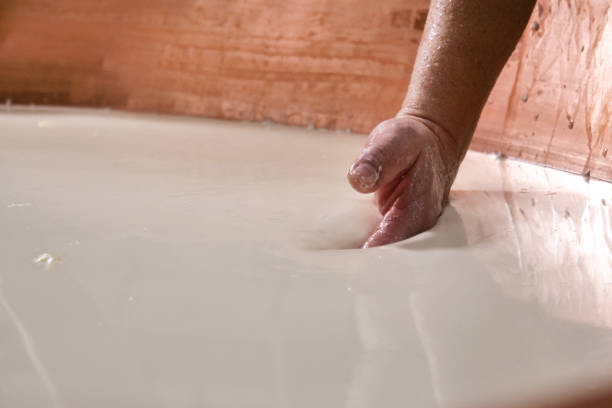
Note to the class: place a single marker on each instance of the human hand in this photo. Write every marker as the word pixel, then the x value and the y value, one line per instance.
pixel 410 163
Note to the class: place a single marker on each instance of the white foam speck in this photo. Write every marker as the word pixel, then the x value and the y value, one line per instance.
pixel 46 259
pixel 17 205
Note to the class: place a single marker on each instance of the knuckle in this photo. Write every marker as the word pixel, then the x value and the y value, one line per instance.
pixel 376 154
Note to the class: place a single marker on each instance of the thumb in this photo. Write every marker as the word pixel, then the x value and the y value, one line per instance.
pixel 390 150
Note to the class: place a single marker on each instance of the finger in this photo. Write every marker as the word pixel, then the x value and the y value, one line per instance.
pixel 388 193
pixel 399 224
pixel 412 207
pixel 391 149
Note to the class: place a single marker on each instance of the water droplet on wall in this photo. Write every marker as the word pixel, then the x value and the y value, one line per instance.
pixel 587 175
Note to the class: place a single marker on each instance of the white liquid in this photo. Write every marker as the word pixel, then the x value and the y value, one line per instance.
pixel 205 263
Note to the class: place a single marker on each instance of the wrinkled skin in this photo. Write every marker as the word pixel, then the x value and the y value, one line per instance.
pixel 410 164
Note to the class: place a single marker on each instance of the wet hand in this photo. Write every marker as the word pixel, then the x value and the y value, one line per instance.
pixel 410 163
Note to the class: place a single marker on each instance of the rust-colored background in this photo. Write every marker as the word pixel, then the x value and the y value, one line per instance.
pixel 336 64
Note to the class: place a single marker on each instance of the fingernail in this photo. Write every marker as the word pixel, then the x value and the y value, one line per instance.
pixel 364 174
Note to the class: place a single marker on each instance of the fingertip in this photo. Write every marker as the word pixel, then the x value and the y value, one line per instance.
pixel 377 239
pixel 367 245
pixel 394 227
pixel 363 176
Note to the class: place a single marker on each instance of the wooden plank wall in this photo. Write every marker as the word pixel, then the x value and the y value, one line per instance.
pixel 339 64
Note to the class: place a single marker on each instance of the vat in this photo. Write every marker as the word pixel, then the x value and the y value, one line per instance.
pixel 153 261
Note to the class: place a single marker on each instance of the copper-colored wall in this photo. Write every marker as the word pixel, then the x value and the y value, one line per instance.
pixel 553 102
pixel 327 63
